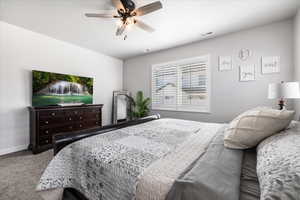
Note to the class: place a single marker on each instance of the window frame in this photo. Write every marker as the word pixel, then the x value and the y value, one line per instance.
pixel 177 64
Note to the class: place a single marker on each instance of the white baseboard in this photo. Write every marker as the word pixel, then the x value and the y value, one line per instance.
pixel 13 149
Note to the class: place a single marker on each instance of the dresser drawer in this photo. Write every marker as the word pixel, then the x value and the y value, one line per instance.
pixel 91 115
pixel 64 119
pixel 74 112
pixel 81 115
pixel 70 119
pixel 51 113
pixel 86 124
pixel 91 110
pixel 45 140
pixel 46 131
pixel 92 123
pixel 49 131
pixel 50 121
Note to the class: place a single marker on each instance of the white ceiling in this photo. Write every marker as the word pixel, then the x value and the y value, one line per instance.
pixel 179 22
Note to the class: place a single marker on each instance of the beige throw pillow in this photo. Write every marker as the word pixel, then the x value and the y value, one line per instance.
pixel 252 126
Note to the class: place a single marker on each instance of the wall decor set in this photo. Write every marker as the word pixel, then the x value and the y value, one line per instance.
pixel 269 65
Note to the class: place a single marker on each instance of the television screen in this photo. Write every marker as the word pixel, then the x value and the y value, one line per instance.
pixel 52 89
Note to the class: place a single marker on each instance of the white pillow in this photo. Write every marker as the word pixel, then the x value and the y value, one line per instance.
pixel 252 126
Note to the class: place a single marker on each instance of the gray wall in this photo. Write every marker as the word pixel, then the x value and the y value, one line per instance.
pixel 297 56
pixel 229 96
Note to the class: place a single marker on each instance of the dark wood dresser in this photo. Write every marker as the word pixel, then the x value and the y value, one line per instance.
pixel 48 121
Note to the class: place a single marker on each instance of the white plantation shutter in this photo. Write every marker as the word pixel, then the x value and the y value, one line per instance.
pixel 182 85
pixel 164 85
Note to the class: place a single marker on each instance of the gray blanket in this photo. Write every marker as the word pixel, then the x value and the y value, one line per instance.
pixel 214 176
pixel 113 165
pixel 107 166
pixel 249 187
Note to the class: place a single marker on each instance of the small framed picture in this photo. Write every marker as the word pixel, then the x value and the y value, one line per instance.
pixel 270 65
pixel 225 63
pixel 247 73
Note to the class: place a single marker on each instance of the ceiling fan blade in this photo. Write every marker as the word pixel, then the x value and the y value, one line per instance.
pixel 144 26
pixel 118 4
pixel 148 8
pixel 100 15
pixel 121 29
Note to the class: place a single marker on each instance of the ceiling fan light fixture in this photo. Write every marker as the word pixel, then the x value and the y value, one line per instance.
pixel 126 13
pixel 119 22
pixel 130 21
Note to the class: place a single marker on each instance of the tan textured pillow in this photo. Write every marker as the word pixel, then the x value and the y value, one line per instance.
pixel 252 126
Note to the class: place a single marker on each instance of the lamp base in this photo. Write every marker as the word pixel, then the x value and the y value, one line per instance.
pixel 281 104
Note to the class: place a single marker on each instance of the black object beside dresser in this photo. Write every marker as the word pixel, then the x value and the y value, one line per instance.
pixel 48 121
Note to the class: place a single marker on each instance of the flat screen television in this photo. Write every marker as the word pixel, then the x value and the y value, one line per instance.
pixel 53 89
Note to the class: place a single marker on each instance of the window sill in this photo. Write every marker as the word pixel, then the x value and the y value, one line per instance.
pixel 182 110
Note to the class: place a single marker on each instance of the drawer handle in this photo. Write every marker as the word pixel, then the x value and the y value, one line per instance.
pixel 70 119
pixel 53 114
pixel 46 141
pixel 46 131
pixel 80 125
pixel 46 122
pixel 80 117
pixel 70 127
pixel 96 122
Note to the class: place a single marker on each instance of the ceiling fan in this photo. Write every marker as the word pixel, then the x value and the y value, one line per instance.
pixel 127 13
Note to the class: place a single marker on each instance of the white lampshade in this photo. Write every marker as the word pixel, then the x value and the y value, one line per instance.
pixel 287 90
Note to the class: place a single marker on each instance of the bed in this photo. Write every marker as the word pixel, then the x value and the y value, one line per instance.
pixel 150 158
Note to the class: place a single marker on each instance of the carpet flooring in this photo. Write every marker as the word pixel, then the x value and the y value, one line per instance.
pixel 20 173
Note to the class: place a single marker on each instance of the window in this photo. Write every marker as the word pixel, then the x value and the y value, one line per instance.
pixel 182 85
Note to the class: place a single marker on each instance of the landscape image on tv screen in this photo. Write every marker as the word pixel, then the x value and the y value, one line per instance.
pixel 52 89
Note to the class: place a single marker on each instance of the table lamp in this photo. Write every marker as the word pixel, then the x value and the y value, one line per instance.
pixel 282 91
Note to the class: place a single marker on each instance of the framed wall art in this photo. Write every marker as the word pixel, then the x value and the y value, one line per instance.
pixel 225 63
pixel 247 73
pixel 270 65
